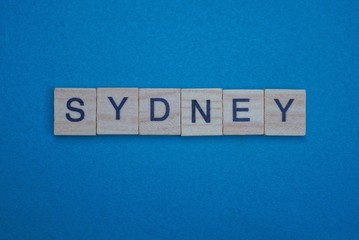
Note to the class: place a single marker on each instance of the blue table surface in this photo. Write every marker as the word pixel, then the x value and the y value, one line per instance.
pixel 158 187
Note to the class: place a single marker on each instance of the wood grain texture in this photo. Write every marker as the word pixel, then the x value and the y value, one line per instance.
pixel 295 122
pixel 63 126
pixel 106 112
pixel 169 126
pixel 255 113
pixel 201 127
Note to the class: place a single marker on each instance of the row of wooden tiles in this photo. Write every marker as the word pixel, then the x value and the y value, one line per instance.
pixel 173 111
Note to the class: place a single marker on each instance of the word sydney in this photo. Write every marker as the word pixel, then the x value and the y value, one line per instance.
pixel 185 112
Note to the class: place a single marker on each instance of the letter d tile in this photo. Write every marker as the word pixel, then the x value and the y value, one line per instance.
pixel 160 112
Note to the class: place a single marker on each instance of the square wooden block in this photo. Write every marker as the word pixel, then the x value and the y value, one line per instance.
pixel 201 112
pixel 75 111
pixel 117 111
pixel 160 112
pixel 285 112
pixel 243 112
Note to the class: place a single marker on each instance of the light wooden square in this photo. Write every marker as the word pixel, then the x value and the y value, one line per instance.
pixel 249 119
pixel 106 112
pixel 168 126
pixel 69 122
pixel 200 127
pixel 295 122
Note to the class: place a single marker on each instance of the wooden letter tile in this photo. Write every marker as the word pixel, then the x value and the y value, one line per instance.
pixel 75 111
pixel 285 112
pixel 117 111
pixel 243 112
pixel 201 112
pixel 160 112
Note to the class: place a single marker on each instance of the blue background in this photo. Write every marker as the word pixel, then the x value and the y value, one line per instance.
pixel 142 187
